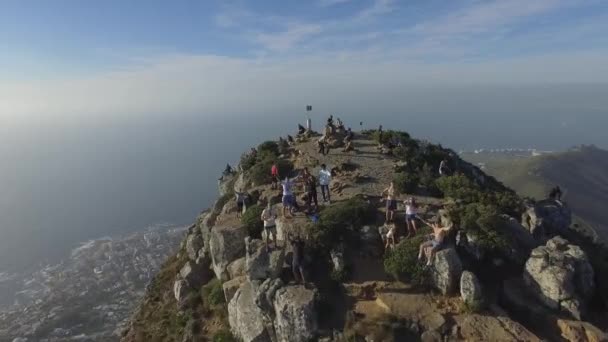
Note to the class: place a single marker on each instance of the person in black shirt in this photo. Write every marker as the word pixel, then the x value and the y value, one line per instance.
pixel 297 262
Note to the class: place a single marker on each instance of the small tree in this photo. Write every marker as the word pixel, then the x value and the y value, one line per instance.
pixel 251 220
pixel 406 182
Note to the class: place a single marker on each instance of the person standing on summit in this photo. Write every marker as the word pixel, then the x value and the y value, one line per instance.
pixel 324 180
pixel 391 202
pixel 274 174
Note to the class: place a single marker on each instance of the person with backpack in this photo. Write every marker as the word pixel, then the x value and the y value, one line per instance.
pixel 324 181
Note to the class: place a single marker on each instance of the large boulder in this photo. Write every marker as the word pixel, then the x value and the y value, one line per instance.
pixel 295 315
pixel 181 290
pixel 561 276
pixel 194 244
pixel 520 240
pixel 445 271
pixel 468 243
pixel 262 263
pixel 245 317
pixel 225 183
pixel 195 274
pixel 231 286
pixel 546 219
pixel 236 268
pixel 371 242
pixel 283 227
pixel 576 331
pixel 204 223
pixel 470 290
pixel 226 244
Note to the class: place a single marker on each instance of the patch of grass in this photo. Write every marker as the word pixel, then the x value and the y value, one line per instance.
pixel 213 293
pixel 260 172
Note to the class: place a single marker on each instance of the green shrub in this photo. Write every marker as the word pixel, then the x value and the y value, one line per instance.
pixel 224 335
pixel 268 148
pixel 390 135
pixel 402 262
pixel 251 220
pixel 406 182
pixel 213 293
pixel 459 187
pixel 248 160
pixel 260 172
pixel 336 221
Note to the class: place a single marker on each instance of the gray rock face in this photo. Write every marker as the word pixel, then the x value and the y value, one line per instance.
pixel 470 290
pixel 546 219
pixel 226 244
pixel 371 242
pixel 194 243
pixel 295 316
pixel 469 243
pixel 337 259
pixel 181 290
pixel 261 264
pixel 231 286
pixel 445 271
pixel 521 241
pixel 245 316
pixel 561 276
pixel 224 184
pixel 236 268
pixel 204 223
pixel 194 274
pixel 282 226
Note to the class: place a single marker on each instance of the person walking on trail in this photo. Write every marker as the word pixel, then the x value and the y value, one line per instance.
pixel 411 214
pixel 274 174
pixel 391 202
pixel 444 169
pixel 269 217
pixel 311 193
pixel 297 262
pixel 241 198
pixel 430 248
pixel 324 180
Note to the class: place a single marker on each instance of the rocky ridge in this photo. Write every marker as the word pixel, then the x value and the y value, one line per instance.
pixel 349 294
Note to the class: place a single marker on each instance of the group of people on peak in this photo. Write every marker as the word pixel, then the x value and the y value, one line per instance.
pixel 329 132
pixel 435 239
pixel 309 184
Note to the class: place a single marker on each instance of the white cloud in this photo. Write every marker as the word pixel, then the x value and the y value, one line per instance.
pixel 284 40
pixel 379 7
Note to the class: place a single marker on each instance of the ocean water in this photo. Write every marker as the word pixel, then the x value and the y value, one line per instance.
pixel 67 182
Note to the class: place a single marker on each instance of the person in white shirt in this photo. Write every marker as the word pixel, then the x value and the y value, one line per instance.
pixel 324 180
pixel 411 214
pixel 269 217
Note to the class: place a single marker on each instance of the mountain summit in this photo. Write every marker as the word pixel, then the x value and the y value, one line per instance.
pixel 498 268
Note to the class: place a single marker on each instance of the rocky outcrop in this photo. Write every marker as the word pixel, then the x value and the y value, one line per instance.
pixel 445 271
pixel 194 245
pixel 546 219
pixel 283 227
pixel 181 290
pixel 262 263
pixel 470 290
pixel 196 274
pixel 225 184
pixel 244 316
pixel 576 331
pixel 520 240
pixel 371 242
pixel 561 276
pixel 226 244
pixel 295 315
pixel 476 327
pixel 236 268
pixel 231 286
pixel 468 243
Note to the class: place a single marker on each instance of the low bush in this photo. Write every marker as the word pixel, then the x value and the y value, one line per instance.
pixel 247 161
pixel 213 293
pixel 268 148
pixel 224 335
pixel 406 182
pixel 339 219
pixel 402 262
pixel 260 172
pixel 251 220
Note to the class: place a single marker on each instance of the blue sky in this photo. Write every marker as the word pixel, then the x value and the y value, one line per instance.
pixel 53 51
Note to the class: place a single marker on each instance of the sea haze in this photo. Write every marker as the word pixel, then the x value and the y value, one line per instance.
pixel 66 182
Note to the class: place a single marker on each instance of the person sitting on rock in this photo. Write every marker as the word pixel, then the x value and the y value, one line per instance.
pixel 301 129
pixel 556 194
pixel 349 146
pixel 324 180
pixel 228 170
pixel 269 217
pixel 241 198
pixel 411 214
pixel 330 120
pixel 391 202
pixel 274 175
pixel 340 124
pixel 430 248
pixel 297 261
pixel 444 169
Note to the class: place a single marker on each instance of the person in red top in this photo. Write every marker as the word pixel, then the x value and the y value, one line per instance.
pixel 274 174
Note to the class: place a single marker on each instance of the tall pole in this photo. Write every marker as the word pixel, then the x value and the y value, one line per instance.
pixel 308 122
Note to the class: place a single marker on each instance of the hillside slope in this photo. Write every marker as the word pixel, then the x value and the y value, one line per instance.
pixel 582 173
pixel 225 285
